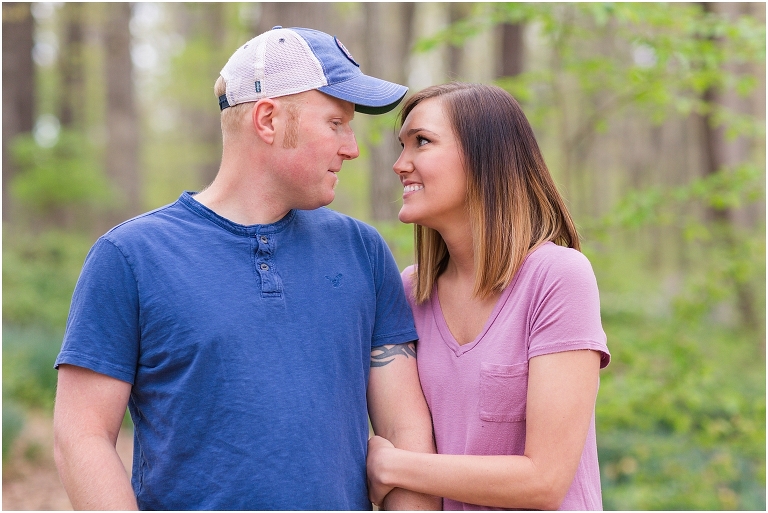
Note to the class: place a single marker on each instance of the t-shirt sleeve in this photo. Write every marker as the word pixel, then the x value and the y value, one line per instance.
pixel 102 331
pixel 394 319
pixel 566 309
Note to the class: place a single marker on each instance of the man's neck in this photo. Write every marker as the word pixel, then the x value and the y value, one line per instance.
pixel 241 203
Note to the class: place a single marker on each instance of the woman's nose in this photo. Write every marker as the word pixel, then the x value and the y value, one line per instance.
pixel 402 164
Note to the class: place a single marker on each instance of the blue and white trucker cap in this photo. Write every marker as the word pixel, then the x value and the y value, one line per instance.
pixel 283 61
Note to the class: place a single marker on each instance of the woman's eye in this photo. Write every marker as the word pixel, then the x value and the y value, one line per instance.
pixel 421 141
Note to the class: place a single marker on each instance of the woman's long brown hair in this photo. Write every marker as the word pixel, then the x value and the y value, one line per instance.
pixel 513 203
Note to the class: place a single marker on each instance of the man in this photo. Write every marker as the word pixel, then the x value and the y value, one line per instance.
pixel 248 330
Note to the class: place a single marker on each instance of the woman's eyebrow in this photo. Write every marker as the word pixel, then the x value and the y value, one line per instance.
pixel 415 130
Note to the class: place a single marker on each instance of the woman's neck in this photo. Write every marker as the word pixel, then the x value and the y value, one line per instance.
pixel 461 250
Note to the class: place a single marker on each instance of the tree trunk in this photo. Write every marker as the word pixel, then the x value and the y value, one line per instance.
pixel 18 86
pixel 210 131
pixel 510 62
pixel 754 214
pixel 206 22
pixel 719 151
pixel 122 155
pixel 315 15
pixel 456 12
pixel 389 31
pixel 72 90
pixel 722 153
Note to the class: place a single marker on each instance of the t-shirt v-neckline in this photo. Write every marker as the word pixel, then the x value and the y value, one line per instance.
pixel 445 332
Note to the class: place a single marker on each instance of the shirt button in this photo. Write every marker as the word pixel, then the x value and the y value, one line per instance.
pixel 264 267
pixel 264 239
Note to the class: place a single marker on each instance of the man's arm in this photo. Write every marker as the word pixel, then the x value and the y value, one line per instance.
pixel 399 413
pixel 86 420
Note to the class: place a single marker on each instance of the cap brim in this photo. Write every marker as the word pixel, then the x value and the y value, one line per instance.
pixel 369 94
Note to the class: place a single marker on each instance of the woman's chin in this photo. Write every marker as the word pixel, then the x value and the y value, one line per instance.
pixel 405 217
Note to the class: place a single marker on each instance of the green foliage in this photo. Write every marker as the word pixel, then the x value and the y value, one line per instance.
pixel 733 259
pixel 39 275
pixel 681 410
pixel 734 278
pixel 604 59
pixel 29 378
pixel 689 46
pixel 351 196
pixel 400 240
pixel 681 416
pixel 377 126
pixel 13 422
pixel 681 206
pixel 65 174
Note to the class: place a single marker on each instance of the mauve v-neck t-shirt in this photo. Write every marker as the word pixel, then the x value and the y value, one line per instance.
pixel 477 391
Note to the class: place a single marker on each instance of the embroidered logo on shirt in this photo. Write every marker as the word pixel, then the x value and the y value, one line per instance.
pixel 336 281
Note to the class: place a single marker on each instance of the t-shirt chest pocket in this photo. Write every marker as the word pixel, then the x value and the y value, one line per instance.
pixel 503 392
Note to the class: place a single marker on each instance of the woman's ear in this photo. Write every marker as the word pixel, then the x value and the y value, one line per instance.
pixel 262 119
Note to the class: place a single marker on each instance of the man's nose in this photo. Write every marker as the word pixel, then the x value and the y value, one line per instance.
pixel 350 150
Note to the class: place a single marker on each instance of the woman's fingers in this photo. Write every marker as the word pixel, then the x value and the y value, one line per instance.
pixel 377 448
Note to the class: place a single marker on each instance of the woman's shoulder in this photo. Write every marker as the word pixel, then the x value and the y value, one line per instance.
pixel 552 260
pixel 550 253
pixel 409 278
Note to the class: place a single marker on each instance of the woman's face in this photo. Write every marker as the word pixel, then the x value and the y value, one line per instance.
pixel 430 169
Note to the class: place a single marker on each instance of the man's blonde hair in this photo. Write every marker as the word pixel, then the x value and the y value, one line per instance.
pixel 231 117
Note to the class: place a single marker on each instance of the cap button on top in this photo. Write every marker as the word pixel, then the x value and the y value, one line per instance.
pixel 277 27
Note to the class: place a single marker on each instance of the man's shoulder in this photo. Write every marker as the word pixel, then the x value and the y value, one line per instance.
pixel 146 224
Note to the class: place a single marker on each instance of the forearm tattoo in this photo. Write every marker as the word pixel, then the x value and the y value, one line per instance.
pixel 383 355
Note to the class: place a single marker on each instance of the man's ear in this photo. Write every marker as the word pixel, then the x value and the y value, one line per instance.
pixel 262 119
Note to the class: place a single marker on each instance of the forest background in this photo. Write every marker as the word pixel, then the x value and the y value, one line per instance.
pixel 651 118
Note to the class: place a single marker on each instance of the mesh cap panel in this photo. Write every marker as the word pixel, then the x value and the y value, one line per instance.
pixel 290 66
pixel 276 63
pixel 289 61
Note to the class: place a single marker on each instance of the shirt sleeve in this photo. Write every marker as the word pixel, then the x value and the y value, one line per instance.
pixel 103 331
pixel 394 319
pixel 566 308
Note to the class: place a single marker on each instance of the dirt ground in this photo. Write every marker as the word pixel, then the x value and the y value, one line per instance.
pixel 30 480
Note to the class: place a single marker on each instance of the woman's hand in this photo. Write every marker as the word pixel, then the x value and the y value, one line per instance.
pixel 378 450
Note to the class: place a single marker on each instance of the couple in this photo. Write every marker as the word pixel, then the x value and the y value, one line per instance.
pixel 252 333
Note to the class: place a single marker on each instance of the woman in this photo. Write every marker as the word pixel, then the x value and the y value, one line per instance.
pixel 507 311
